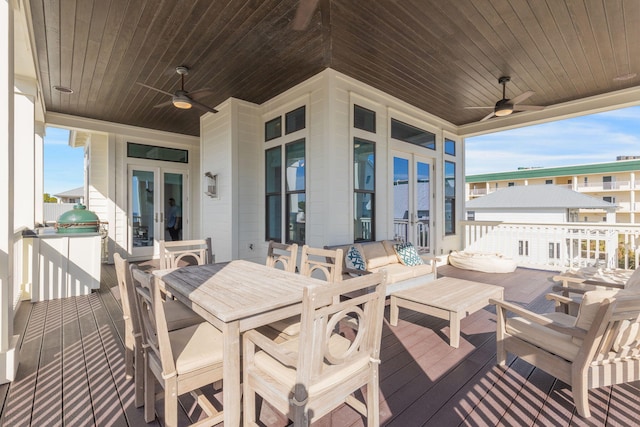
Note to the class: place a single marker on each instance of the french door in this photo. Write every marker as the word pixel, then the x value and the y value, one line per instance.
pixel 150 207
pixel 413 199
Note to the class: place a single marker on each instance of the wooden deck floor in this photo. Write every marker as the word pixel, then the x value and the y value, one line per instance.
pixel 71 370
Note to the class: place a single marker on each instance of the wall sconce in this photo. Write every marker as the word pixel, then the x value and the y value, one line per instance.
pixel 211 185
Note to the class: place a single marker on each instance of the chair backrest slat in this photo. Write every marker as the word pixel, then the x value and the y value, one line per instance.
pixel 319 261
pixel 283 256
pixel 325 313
pixel 172 252
pixel 155 333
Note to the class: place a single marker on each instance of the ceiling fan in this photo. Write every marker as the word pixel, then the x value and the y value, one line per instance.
pixel 506 106
pixel 181 98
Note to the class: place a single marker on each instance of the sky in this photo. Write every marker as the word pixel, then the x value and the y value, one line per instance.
pixel 63 165
pixel 595 138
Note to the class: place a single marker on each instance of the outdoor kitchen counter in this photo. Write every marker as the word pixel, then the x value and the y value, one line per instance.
pixel 62 265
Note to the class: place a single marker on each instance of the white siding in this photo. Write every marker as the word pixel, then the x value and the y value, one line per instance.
pixel 232 146
pixel 216 156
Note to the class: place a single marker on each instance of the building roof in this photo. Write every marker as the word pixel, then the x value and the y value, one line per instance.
pixel 76 192
pixel 538 196
pixel 586 169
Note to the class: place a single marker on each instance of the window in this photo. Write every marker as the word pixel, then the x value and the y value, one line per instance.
pixel 273 191
pixel 511 184
pixel 548 181
pixel 609 199
pixel 554 250
pixel 471 215
pixel 293 177
pixel 295 190
pixel 363 189
pixel 364 119
pixel 523 247
pixel 152 152
pixel 412 134
pixel 449 147
pixel 607 182
pixel 295 120
pixel 273 129
pixel 285 179
pixel 449 198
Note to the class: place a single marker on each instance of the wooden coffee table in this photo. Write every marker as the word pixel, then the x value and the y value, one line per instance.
pixel 446 298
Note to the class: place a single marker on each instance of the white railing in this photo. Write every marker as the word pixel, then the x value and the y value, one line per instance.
pixel 556 246
pixel 616 185
pixel 401 232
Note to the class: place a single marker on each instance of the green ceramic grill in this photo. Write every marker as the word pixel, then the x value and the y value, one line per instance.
pixel 78 220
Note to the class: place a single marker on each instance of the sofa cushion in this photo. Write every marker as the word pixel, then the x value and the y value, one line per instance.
pixel 407 254
pixel 395 272
pixel 354 258
pixel 377 256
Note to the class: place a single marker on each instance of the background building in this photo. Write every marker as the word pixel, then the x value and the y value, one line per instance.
pixel 614 182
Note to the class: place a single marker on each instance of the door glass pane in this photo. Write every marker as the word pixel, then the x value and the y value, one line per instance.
pixel 423 204
pixel 142 187
pixel 173 206
pixel 401 199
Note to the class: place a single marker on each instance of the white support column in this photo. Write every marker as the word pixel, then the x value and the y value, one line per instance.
pixel 24 152
pixel 632 197
pixel 39 172
pixel 8 357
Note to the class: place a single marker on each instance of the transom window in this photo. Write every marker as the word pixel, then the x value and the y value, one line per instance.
pixel 364 119
pixel 413 135
pixel 449 147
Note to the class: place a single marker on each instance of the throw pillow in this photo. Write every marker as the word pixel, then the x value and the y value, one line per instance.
pixel 354 259
pixel 407 254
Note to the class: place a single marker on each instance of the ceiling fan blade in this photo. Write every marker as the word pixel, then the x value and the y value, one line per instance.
pixel 528 107
pixel 154 88
pixel 163 104
pixel 200 93
pixel 482 108
pixel 522 97
pixel 203 107
pixel 305 11
pixel 488 116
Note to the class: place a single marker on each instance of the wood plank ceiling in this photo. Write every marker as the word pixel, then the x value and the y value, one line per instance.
pixel 440 56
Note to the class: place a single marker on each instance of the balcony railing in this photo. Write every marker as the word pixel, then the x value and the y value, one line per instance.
pixel 557 246
pixel 603 186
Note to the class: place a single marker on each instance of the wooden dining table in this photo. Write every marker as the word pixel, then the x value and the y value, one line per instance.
pixel 234 297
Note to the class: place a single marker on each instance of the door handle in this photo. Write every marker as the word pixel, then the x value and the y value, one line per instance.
pixel 156 217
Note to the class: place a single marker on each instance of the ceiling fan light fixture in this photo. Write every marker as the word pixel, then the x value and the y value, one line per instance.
pixel 182 102
pixel 503 111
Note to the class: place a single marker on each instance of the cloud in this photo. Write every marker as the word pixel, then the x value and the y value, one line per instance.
pixel 589 139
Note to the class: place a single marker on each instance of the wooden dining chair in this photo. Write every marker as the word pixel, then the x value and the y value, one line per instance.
pixel 172 253
pixel 336 354
pixel 177 315
pixel 598 348
pixel 181 361
pixel 283 256
pixel 323 264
